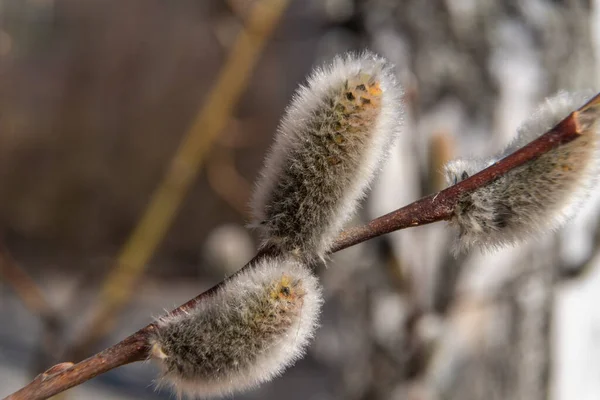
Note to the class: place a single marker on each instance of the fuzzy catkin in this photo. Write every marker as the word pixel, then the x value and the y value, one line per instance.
pixel 538 196
pixel 245 333
pixel 331 141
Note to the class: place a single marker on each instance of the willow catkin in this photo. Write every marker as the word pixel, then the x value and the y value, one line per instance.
pixel 538 196
pixel 248 331
pixel 332 139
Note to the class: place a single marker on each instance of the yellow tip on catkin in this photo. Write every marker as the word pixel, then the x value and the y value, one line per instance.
pixel 247 332
pixel 331 141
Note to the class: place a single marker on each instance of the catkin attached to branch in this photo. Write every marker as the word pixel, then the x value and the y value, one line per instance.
pixel 331 141
pixel 245 333
pixel 536 197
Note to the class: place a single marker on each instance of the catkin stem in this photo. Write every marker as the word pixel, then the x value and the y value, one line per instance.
pixel 436 207
pixel 440 206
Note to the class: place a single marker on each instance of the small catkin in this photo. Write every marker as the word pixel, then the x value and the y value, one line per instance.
pixel 247 332
pixel 538 196
pixel 331 141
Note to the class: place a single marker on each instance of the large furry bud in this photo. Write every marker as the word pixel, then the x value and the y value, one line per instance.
pixel 332 139
pixel 535 197
pixel 246 332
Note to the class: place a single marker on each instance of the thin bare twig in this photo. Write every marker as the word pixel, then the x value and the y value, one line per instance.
pixel 440 206
pixel 436 207
pixel 227 182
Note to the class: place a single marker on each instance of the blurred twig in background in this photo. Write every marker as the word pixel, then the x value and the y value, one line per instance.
pixel 23 285
pixel 183 170
pixel 436 207
pixel 226 181
pixel 96 96
pixel 441 150
pixel 36 302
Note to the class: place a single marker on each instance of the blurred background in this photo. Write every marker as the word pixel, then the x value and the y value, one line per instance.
pixel 130 136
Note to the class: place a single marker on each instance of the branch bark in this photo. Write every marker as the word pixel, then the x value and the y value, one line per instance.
pixel 436 207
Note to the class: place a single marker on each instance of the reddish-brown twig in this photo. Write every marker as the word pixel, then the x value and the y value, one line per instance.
pixel 436 207
pixel 119 286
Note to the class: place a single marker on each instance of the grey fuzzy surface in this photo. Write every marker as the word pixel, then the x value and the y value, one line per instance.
pixel 244 334
pixel 332 140
pixel 538 196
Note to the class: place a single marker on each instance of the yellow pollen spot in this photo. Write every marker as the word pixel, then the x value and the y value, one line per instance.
pixel 566 167
pixel 156 352
pixel 375 89
pixel 285 281
pixel 283 289
pixel 338 139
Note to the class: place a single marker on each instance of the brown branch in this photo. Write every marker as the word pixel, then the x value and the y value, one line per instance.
pixel 440 206
pixel 64 376
pixel 233 78
pixel 436 207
